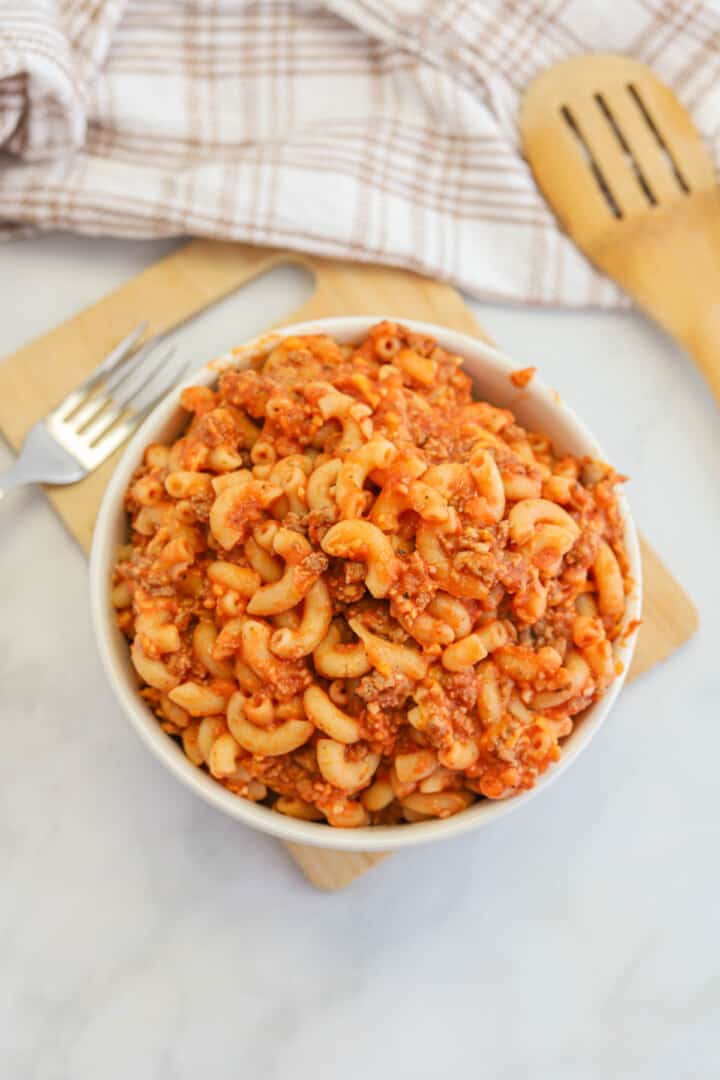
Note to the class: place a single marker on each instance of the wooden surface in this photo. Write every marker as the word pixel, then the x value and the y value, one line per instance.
pixel 173 290
pixel 661 243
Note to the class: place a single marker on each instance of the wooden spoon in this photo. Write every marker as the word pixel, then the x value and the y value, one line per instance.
pixel 622 165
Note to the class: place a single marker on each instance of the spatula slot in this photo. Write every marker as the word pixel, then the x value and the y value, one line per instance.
pixel 590 159
pixel 655 131
pixel 626 148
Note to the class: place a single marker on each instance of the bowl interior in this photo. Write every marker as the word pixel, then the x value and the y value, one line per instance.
pixel 538 408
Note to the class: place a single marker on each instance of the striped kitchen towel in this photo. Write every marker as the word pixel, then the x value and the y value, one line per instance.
pixel 381 130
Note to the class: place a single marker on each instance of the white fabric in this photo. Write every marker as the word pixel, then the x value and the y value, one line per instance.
pixel 380 130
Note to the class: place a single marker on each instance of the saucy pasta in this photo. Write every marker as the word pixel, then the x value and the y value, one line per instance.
pixel 361 597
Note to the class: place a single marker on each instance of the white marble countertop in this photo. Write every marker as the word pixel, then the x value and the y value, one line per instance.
pixel 144 935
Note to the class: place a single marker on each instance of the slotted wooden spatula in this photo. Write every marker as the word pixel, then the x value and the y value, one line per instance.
pixel 622 165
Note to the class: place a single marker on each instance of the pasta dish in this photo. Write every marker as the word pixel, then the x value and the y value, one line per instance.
pixel 360 597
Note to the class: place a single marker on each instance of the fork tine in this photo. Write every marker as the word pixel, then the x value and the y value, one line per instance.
pixel 113 359
pixel 174 377
pixel 121 374
pixel 114 434
pixel 102 418
pixel 132 393
pixel 167 383
pixel 91 409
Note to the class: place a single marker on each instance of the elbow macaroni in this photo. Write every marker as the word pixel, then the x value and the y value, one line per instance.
pixel 359 596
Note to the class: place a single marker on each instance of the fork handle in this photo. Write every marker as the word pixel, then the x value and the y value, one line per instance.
pixel 12 478
pixel 20 474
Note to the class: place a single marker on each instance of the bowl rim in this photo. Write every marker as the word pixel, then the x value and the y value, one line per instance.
pixel 369 838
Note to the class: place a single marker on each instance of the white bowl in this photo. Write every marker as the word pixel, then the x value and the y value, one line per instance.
pixel 537 408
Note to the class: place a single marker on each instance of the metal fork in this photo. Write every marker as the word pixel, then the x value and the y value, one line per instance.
pixel 96 417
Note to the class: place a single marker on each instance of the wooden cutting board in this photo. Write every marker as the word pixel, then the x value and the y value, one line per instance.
pixel 183 284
